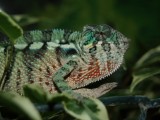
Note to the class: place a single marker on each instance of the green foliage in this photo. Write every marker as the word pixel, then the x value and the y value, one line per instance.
pixel 91 109
pixel 25 20
pixel 88 109
pixel 9 27
pixel 19 104
pixel 147 66
pixel 36 94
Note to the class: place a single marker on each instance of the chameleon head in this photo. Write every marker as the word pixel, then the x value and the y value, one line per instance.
pixel 103 47
pixel 103 41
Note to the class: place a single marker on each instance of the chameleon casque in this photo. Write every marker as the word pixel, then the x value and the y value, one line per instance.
pixel 62 60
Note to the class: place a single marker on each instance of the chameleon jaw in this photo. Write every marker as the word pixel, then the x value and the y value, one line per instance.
pixel 97 79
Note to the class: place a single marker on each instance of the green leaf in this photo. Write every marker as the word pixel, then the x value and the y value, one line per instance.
pixel 35 93
pixel 142 75
pixel 9 27
pixel 149 58
pixel 19 104
pixel 60 97
pixel 90 109
pixel 38 95
pixel 25 20
pixel 147 66
pixel 100 111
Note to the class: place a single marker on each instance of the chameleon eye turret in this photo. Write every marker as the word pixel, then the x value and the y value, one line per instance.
pixel 103 38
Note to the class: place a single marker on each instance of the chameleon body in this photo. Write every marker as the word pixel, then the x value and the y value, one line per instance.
pixel 63 61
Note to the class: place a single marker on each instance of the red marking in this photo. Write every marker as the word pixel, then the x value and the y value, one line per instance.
pixel 53 66
pixel 109 64
pixel 73 75
pixel 91 63
pixel 90 68
pixel 79 75
pixel 84 75
pixel 47 83
pixel 48 71
pixel 91 72
pixel 80 69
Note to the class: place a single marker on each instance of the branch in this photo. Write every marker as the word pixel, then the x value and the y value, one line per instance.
pixel 143 102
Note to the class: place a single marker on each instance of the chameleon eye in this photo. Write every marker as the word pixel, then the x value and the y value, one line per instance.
pixel 102 32
pixel 93 35
pixel 100 35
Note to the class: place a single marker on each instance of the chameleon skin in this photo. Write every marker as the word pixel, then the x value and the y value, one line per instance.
pixel 63 61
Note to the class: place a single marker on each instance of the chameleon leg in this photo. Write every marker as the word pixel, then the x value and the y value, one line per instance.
pixel 59 81
pixel 96 92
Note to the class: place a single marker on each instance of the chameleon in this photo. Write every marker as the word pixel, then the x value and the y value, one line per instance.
pixel 62 60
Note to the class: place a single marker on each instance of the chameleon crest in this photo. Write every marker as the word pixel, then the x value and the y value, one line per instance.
pixel 61 60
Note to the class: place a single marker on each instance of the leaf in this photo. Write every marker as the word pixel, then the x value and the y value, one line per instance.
pixel 35 93
pixel 38 95
pixel 101 111
pixel 25 20
pixel 90 109
pixel 19 104
pixel 147 66
pixel 9 27
pixel 151 57
pixel 142 75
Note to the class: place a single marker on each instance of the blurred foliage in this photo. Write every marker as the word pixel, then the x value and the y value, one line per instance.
pixel 89 109
pixel 12 30
pixel 136 19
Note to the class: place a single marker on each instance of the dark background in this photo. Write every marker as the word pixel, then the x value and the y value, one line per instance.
pixel 139 20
